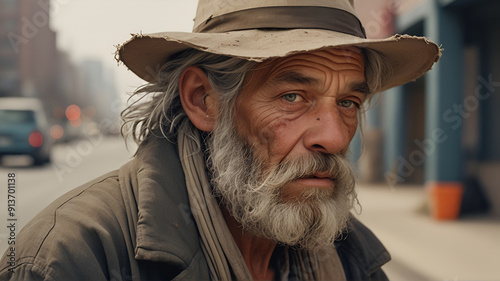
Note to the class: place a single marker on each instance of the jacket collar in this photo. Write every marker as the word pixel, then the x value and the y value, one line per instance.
pixel 360 247
pixel 166 231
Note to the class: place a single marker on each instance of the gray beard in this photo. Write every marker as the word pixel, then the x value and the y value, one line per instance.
pixel 254 199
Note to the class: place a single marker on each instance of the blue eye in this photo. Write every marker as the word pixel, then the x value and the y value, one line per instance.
pixel 291 97
pixel 348 104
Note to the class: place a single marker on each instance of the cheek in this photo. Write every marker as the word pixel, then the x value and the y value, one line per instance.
pixel 258 123
pixel 270 141
pixel 350 127
pixel 275 132
pixel 278 139
pixel 353 126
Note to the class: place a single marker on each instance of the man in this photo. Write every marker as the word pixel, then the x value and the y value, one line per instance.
pixel 240 172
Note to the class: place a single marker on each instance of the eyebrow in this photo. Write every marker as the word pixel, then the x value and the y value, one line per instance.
pixel 294 77
pixel 299 78
pixel 360 87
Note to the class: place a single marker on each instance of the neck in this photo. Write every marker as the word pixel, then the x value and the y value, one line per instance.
pixel 256 251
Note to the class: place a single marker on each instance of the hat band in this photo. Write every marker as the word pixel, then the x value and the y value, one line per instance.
pixel 291 17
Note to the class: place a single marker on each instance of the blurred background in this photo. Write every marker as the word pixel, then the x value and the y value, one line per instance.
pixel 427 159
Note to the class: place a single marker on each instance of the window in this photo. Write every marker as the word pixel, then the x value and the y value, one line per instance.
pixel 16 116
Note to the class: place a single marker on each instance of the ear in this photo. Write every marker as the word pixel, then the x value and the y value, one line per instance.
pixel 198 99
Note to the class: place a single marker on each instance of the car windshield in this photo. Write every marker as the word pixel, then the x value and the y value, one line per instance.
pixel 12 117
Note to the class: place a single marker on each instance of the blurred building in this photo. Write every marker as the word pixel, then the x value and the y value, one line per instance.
pixel 100 89
pixel 31 65
pixel 9 63
pixel 27 49
pixel 70 84
pixel 442 128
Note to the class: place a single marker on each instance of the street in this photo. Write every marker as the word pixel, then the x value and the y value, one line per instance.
pixel 426 249
pixel 72 164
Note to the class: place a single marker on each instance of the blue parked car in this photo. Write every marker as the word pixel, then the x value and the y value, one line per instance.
pixel 24 129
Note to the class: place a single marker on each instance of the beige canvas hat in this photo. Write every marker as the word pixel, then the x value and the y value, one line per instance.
pixel 257 30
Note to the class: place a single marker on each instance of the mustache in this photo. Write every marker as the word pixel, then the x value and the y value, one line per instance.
pixel 314 165
pixel 333 166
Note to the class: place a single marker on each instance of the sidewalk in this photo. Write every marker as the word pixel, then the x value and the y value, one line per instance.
pixel 426 249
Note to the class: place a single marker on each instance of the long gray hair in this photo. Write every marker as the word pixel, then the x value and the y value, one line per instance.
pixel 157 105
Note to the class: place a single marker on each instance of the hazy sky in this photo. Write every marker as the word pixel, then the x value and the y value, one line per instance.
pixel 91 28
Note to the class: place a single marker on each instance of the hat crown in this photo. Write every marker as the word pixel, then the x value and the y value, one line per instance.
pixel 208 9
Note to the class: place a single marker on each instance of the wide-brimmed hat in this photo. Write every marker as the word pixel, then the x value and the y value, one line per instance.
pixel 257 30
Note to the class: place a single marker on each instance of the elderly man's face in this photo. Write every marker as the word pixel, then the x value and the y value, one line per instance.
pixel 302 104
pixel 278 163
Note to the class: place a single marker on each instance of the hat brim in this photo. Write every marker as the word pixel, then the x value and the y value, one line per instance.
pixel 409 56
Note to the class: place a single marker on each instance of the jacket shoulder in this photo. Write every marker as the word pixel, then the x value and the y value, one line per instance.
pixel 82 229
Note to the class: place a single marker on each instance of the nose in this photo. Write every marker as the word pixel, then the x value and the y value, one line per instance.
pixel 328 133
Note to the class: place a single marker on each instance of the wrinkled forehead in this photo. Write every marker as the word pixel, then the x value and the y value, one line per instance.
pixel 334 59
pixel 338 55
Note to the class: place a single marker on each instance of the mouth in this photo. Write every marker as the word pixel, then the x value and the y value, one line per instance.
pixel 318 176
pixel 316 180
pixel 322 175
pixel 303 185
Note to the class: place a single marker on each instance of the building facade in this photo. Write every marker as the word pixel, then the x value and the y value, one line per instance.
pixel 442 128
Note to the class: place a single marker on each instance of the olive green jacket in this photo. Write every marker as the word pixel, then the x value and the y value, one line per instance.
pixel 136 224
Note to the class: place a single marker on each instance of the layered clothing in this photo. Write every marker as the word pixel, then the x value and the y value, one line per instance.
pixel 136 223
